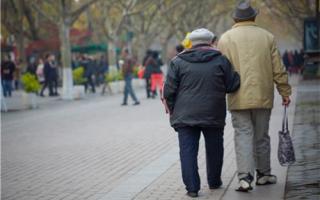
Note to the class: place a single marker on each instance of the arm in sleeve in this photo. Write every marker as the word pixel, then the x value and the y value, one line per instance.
pixel 280 76
pixel 171 86
pixel 232 78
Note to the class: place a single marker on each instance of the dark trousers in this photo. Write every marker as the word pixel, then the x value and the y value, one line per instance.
pixel 148 87
pixel 189 145
pixel 90 83
pixel 55 87
pixel 47 83
pixel 7 88
pixel 128 90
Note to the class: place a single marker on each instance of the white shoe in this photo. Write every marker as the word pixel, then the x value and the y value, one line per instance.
pixel 263 179
pixel 245 184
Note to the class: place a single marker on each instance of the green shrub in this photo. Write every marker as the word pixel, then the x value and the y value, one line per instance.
pixel 113 75
pixel 109 78
pixel 78 78
pixel 30 83
pixel 119 76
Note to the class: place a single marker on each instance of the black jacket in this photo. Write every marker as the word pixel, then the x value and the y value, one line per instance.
pixel 7 70
pixel 50 71
pixel 150 64
pixel 196 86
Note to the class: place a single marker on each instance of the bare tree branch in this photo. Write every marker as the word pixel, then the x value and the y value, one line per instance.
pixel 43 14
pixel 75 14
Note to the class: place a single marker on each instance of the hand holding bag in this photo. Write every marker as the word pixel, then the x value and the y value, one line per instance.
pixel 286 154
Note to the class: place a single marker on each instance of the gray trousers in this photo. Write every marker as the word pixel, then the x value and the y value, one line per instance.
pixel 252 141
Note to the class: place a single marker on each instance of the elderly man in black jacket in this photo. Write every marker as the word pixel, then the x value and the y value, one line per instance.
pixel 195 93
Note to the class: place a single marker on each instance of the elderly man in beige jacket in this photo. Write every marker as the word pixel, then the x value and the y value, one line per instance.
pixel 254 54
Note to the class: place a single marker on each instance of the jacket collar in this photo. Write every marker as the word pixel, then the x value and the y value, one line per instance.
pixel 246 23
pixel 200 45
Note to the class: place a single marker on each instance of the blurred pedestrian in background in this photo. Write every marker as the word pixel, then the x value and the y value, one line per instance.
pixel 55 75
pixel 291 62
pixel 285 60
pixel 88 65
pixel 301 61
pixel 148 63
pixel 40 70
pixel 194 92
pixel 103 68
pixel 32 66
pixel 156 74
pixel 50 72
pixel 127 71
pixel 254 54
pixel 17 74
pixel 7 71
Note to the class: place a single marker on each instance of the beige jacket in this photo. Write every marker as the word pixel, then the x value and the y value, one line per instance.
pixel 254 55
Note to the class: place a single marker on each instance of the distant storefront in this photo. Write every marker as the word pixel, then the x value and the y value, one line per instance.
pixel 311 35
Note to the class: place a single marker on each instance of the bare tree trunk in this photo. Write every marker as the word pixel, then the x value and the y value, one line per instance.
pixel 165 52
pixel 20 47
pixel 65 49
pixel 142 47
pixel 19 37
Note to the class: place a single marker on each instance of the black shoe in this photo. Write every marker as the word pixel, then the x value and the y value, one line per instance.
pixel 124 104
pixel 213 187
pixel 136 103
pixel 192 194
pixel 264 179
pixel 42 95
pixel 245 184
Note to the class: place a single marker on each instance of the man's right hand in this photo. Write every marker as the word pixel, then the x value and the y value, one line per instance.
pixel 286 101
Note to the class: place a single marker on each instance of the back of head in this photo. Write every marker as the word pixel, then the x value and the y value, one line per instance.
pixel 148 52
pixel 47 56
pixel 155 54
pixel 201 36
pixel 244 12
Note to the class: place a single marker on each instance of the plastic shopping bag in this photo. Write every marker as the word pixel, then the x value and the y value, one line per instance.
pixel 286 154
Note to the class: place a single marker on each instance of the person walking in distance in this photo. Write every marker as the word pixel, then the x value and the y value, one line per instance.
pixel 253 52
pixel 127 71
pixel 156 75
pixel 48 75
pixel 7 71
pixel 55 75
pixel 40 73
pixel 89 68
pixel 148 63
pixel 194 93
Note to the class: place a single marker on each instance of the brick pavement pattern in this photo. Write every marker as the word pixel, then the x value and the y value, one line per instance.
pixel 89 149
pixel 80 150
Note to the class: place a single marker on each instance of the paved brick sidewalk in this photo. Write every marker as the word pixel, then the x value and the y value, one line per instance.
pixel 80 149
pixel 90 149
